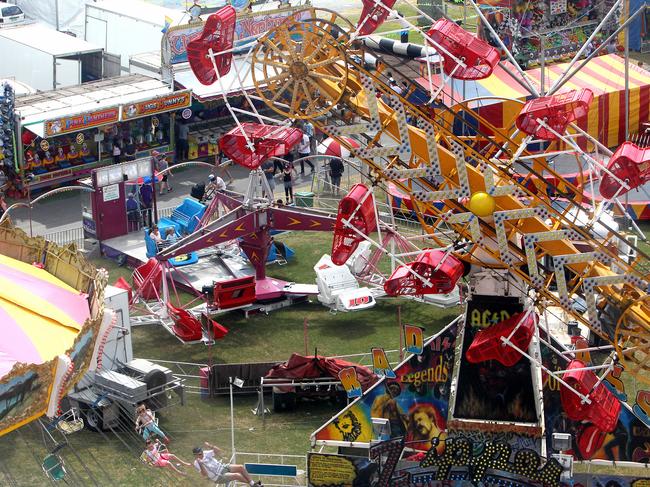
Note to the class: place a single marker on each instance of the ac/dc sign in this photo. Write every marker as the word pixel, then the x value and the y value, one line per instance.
pixel 460 453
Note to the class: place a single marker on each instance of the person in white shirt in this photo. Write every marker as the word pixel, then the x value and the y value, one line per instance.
pixel 218 471
pixel 304 150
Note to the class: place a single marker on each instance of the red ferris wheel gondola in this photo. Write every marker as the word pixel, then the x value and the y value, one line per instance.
pixel 440 268
pixel 218 34
pixel 479 57
pixel 357 207
pixel 629 163
pixel 557 112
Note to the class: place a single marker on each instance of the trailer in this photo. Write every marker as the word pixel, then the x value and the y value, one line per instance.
pixel 46 59
pixel 107 396
pixel 128 27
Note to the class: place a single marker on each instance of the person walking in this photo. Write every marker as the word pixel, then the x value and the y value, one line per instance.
pixel 336 172
pixel 304 150
pixel 287 177
pixel 117 152
pixel 209 466
pixel 308 128
pixel 161 165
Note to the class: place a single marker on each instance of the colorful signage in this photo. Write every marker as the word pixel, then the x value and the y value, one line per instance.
pixel 247 29
pixel 415 403
pixel 414 339
pixel 380 364
pixel 350 382
pixel 167 103
pixel 83 121
pixel 466 462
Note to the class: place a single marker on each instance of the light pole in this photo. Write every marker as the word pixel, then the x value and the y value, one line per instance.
pixel 238 383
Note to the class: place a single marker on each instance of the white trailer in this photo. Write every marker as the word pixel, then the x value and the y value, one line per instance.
pixel 127 27
pixel 46 59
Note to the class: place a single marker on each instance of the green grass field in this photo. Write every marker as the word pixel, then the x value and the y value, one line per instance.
pixel 259 338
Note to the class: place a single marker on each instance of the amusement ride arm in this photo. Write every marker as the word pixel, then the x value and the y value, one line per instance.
pixel 524 226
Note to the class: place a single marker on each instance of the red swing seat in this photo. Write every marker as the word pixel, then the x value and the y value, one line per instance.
pixel 479 57
pixel 630 163
pixel 218 34
pixel 558 111
pixel 268 140
pixel 487 344
pixel 373 15
pixel 346 240
pixel 147 279
pixel 186 326
pixel 402 282
pixel 604 409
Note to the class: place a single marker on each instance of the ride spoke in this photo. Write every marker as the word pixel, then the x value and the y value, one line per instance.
pixel 294 98
pixel 282 90
pixel 328 77
pixel 278 77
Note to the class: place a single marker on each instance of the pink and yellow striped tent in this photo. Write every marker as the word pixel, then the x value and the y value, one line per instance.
pixel 604 75
pixel 40 315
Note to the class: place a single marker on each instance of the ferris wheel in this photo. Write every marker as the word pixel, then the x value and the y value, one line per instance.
pixel 487 200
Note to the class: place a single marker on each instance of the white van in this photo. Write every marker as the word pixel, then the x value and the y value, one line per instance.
pixel 10 14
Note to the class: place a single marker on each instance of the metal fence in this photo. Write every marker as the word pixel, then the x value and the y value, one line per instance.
pixel 64 237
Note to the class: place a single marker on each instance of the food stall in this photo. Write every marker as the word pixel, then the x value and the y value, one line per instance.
pixel 66 133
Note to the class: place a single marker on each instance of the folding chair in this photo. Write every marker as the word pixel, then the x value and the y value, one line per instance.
pixel 69 422
pixel 54 468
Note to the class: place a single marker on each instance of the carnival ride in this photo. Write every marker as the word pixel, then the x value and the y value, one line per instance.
pixel 51 300
pixel 459 172
pixel 495 207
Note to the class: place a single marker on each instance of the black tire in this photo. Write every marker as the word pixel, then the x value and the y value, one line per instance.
pixel 155 379
pixel 93 420
pixel 283 401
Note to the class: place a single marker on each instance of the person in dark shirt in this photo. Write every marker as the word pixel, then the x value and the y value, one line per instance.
pixel 146 199
pixel 336 171
pixel 132 212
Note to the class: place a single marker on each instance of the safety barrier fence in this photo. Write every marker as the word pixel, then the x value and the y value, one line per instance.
pixel 260 460
pixel 69 235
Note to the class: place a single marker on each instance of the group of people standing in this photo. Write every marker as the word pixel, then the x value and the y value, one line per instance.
pixel 139 202
pixel 286 168
pixel 206 461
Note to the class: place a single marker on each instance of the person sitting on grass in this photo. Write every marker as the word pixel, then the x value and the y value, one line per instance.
pixel 145 424
pixel 157 458
pixel 217 471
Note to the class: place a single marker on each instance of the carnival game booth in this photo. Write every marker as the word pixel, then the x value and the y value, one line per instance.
pixel 499 98
pixel 66 133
